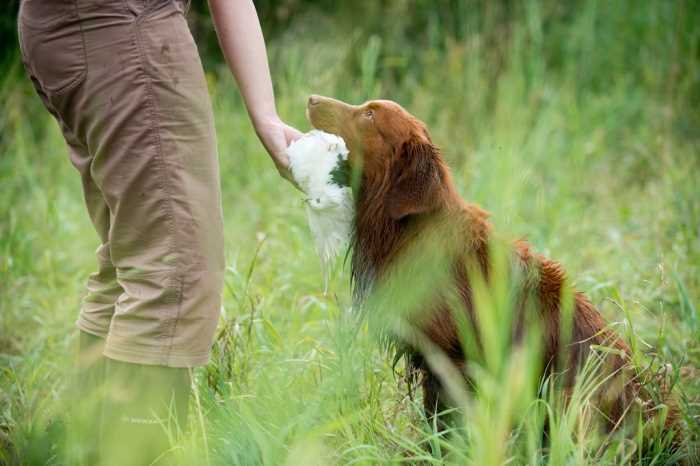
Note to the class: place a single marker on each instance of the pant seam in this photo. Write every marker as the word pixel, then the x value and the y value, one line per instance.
pixel 163 184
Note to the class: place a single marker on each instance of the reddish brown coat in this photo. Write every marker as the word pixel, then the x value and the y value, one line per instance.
pixel 413 231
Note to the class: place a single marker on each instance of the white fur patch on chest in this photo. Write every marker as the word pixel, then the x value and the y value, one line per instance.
pixel 317 162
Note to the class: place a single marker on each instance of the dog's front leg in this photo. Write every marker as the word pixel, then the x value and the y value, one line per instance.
pixel 434 405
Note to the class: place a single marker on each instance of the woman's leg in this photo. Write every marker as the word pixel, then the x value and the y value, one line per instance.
pixel 124 80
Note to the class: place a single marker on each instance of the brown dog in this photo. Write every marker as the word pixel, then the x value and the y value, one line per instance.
pixel 407 205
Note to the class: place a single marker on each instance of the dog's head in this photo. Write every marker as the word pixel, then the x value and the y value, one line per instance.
pixel 390 148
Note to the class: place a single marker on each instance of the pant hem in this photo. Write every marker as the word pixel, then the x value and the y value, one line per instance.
pixel 164 357
pixel 89 327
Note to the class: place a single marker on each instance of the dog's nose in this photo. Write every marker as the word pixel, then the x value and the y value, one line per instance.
pixel 314 99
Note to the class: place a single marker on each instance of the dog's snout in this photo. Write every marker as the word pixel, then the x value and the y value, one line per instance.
pixel 314 100
pixel 327 114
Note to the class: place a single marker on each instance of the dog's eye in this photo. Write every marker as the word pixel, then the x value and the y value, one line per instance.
pixel 368 114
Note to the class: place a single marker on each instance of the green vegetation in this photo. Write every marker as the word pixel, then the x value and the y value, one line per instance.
pixel 575 123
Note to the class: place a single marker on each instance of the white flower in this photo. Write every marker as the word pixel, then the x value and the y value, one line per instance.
pixel 314 159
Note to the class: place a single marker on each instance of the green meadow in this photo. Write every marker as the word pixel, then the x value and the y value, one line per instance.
pixel 576 124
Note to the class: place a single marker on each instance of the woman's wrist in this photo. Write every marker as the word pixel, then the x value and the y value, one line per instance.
pixel 262 119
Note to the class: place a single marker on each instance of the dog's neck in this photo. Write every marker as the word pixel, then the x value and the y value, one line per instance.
pixel 377 237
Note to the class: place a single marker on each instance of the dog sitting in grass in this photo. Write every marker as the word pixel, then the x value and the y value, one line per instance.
pixel 419 251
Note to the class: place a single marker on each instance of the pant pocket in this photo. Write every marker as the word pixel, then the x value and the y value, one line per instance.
pixel 51 40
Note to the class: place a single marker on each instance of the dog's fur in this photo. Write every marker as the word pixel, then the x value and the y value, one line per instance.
pixel 406 203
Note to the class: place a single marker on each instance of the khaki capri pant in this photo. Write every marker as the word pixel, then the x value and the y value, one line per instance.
pixel 124 80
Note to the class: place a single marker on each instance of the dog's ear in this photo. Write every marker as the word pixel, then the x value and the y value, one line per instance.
pixel 416 180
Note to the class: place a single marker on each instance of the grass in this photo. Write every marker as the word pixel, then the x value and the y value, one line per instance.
pixel 576 126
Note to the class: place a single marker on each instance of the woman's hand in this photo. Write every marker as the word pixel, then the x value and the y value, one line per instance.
pixel 276 136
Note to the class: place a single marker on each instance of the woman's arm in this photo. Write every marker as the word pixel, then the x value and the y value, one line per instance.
pixel 243 45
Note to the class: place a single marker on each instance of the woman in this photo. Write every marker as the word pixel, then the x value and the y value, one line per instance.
pixel 124 80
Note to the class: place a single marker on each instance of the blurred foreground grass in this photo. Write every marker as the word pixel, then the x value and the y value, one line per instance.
pixel 576 125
